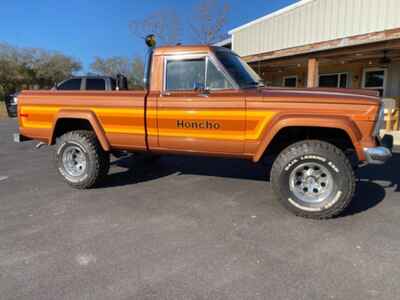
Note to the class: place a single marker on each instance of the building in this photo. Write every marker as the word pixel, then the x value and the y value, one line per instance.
pixel 326 43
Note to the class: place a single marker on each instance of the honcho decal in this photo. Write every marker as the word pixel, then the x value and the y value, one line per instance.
pixel 197 124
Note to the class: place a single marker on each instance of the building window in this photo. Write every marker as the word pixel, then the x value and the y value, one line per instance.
pixel 337 80
pixel 375 79
pixel 290 81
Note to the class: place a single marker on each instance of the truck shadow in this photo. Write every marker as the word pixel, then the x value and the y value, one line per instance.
pixel 372 180
pixel 372 184
pixel 142 169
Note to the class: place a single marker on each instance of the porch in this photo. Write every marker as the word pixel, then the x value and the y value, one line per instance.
pixel 374 66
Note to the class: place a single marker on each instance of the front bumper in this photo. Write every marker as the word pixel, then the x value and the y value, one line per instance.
pixel 379 155
pixel 18 138
pixel 12 108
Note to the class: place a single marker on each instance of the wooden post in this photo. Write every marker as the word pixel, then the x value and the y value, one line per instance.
pixel 396 119
pixel 389 120
pixel 396 125
pixel 313 73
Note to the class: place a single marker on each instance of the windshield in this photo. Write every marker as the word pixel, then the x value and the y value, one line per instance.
pixel 240 71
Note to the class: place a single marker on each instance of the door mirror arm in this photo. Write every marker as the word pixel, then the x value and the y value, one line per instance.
pixel 204 92
pixel 201 89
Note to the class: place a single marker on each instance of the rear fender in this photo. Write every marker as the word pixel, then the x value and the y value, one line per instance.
pixel 83 115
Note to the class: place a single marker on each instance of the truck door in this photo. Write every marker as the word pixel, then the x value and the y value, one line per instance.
pixel 199 110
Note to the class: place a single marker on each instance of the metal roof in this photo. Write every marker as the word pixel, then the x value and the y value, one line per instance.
pixel 310 22
pixel 271 15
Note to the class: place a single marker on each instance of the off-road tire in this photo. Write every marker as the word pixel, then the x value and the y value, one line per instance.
pixel 97 160
pixel 331 159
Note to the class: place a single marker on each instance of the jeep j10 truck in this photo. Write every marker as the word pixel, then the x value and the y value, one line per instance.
pixel 204 100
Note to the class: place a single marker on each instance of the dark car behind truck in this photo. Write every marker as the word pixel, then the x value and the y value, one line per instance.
pixel 11 105
pixel 93 83
pixel 76 83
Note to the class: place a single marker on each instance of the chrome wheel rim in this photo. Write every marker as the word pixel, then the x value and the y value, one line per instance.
pixel 311 182
pixel 74 161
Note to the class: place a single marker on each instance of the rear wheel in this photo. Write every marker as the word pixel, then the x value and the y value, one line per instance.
pixel 313 179
pixel 81 160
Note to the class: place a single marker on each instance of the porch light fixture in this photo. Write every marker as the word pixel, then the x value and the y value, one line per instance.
pixel 385 60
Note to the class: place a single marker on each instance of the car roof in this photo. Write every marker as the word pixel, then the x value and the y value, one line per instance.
pixel 90 77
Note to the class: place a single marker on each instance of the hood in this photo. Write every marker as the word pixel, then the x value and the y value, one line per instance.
pixel 321 95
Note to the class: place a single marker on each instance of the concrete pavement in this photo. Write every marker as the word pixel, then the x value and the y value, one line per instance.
pixel 187 228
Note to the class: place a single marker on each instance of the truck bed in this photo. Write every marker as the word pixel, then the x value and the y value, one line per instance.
pixel 120 113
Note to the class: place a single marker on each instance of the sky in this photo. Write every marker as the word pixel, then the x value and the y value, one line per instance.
pixel 85 29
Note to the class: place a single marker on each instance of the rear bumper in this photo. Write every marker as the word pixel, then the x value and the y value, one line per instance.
pixel 379 155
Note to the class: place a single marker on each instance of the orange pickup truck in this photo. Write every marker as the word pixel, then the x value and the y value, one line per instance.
pixel 204 100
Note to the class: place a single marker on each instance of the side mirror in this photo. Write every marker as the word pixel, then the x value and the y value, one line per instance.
pixel 199 86
pixel 151 41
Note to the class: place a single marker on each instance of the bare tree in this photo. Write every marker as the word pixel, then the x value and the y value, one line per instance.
pixel 32 68
pixel 132 69
pixel 111 66
pixel 208 21
pixel 137 73
pixel 51 68
pixel 164 23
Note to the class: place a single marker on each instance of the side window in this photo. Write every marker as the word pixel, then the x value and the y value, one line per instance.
pixel 70 85
pixel 185 75
pixel 94 84
pixel 216 79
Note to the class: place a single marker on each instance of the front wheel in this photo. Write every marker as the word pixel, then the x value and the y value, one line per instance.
pixel 313 179
pixel 81 160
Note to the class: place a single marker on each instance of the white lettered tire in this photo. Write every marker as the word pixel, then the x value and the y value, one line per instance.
pixel 313 179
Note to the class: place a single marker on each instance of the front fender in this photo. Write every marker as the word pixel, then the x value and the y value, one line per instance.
pixel 282 121
pixel 90 116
